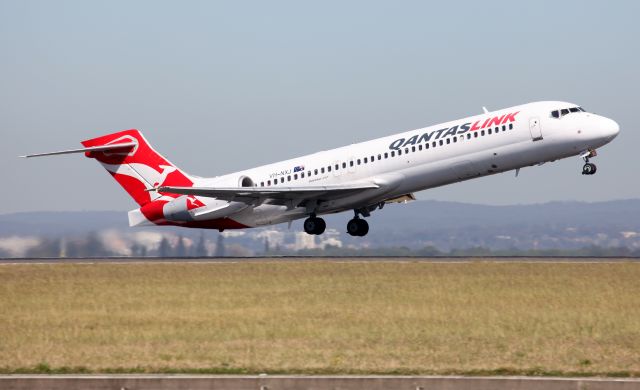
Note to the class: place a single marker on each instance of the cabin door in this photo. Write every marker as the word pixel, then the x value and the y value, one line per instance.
pixel 534 128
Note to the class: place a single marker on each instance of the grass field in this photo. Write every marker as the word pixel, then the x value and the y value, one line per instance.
pixel 322 317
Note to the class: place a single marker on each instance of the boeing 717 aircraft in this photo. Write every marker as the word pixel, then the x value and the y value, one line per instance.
pixel 360 177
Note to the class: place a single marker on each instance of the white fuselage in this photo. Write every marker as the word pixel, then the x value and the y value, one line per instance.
pixel 402 164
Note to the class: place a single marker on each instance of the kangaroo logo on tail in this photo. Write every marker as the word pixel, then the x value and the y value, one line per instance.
pixel 139 169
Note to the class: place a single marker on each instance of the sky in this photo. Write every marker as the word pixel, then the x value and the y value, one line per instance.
pixel 222 86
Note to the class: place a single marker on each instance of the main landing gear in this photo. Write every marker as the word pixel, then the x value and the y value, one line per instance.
pixel 314 225
pixel 357 227
pixel 589 168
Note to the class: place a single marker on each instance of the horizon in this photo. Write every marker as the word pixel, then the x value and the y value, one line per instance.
pixel 417 200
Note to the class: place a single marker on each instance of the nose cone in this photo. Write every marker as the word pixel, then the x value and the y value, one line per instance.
pixel 609 128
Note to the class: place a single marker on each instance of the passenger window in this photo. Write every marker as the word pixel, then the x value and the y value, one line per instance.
pixel 282 179
pixel 322 170
pixel 475 134
pixel 302 175
pixel 315 172
pixel 261 184
pixel 379 157
pixel 373 158
pixel 448 141
pixel 393 154
pixel 268 182
pixel 358 161
pixel 489 131
pixel 504 128
pixel 295 177
pixel 351 163
pixel 482 133
pixel 329 168
pixel 399 152
pixel 497 130
pixel 426 146
pixel 510 126
pixel 289 178
pixel 555 114
pixel 386 155
pixel 455 139
pixel 441 142
pixel 468 136
pixel 564 111
pixel 413 149
pixel 406 150
pixel 365 160
pixel 344 165
pixel 420 147
pixel 337 166
pixel 434 144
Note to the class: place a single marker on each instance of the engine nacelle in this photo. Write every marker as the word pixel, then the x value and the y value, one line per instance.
pixel 179 209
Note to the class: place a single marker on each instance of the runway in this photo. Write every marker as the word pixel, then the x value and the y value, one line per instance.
pixel 354 259
pixel 285 382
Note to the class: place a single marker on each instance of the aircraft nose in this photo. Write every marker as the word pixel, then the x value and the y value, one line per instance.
pixel 610 128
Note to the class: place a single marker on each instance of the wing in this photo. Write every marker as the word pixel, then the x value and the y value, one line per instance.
pixel 275 194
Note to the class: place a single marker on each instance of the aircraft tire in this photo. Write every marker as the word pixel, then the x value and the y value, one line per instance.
pixel 364 228
pixel 314 225
pixel 321 225
pixel 357 227
pixel 589 169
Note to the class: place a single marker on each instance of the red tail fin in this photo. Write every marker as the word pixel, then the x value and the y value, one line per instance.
pixel 137 169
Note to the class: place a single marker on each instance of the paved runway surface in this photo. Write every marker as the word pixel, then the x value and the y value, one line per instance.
pixel 312 259
pixel 285 382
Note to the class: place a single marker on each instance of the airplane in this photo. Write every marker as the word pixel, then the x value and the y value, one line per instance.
pixel 361 177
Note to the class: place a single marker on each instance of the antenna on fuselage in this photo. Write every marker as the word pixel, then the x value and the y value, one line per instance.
pixel 485 110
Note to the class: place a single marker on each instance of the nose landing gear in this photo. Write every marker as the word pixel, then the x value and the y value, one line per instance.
pixel 589 168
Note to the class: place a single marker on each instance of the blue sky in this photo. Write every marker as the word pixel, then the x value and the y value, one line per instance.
pixel 218 87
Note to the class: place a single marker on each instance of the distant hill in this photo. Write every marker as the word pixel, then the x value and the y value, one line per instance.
pixel 445 225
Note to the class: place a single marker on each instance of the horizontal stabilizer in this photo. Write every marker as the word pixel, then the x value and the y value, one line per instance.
pixel 102 148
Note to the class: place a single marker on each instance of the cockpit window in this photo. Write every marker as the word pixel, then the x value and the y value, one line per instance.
pixel 560 113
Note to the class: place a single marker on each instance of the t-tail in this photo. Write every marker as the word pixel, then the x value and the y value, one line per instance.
pixel 134 164
pixel 139 168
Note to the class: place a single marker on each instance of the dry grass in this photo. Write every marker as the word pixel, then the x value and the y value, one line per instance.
pixel 322 317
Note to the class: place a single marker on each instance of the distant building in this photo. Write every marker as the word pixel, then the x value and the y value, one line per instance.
pixel 331 237
pixel 304 241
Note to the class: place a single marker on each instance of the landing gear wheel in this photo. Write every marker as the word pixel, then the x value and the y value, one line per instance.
pixel 314 225
pixel 357 227
pixel 589 169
